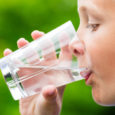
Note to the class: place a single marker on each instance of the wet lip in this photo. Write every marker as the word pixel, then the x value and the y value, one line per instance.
pixel 86 75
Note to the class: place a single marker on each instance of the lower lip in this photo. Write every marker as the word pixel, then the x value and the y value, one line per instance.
pixel 88 78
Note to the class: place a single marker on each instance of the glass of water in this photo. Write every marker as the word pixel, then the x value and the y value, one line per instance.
pixel 45 61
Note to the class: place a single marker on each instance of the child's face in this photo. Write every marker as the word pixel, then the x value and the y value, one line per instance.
pixel 97 36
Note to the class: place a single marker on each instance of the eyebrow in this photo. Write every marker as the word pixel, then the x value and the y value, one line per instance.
pixel 94 12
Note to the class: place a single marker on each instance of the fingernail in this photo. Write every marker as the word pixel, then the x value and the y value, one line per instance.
pixel 36 32
pixel 7 49
pixel 51 92
pixel 22 39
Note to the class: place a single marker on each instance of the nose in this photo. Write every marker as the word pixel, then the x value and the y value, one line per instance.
pixel 77 47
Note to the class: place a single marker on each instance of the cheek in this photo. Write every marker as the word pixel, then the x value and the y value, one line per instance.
pixel 102 56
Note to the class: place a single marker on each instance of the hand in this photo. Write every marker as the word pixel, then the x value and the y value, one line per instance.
pixel 49 101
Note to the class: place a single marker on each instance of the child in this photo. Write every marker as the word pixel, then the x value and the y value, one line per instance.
pixel 97 41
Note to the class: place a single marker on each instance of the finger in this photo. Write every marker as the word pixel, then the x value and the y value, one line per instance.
pixel 48 102
pixel 29 56
pixel 7 52
pixel 22 42
pixel 37 34
pixel 50 93
pixel 48 50
pixel 65 53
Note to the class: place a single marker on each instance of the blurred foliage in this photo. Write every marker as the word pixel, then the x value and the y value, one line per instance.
pixel 18 18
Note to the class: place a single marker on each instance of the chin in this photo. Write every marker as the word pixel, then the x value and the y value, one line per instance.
pixel 103 103
pixel 97 99
pixel 102 99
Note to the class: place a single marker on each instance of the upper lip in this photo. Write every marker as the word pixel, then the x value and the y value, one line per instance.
pixel 85 74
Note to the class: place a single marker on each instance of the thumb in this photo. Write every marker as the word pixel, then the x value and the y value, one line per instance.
pixel 48 102
pixel 49 93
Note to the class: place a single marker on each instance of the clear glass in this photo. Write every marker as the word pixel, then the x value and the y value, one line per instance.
pixel 44 61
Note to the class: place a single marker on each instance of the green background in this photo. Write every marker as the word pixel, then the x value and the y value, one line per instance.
pixel 18 18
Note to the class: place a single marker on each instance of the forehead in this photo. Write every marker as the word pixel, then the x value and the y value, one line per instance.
pixel 102 5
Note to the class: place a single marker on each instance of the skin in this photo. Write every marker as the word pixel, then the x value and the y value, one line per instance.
pixel 49 101
pixel 95 49
pixel 97 44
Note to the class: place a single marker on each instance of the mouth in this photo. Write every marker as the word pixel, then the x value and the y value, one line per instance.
pixel 86 75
